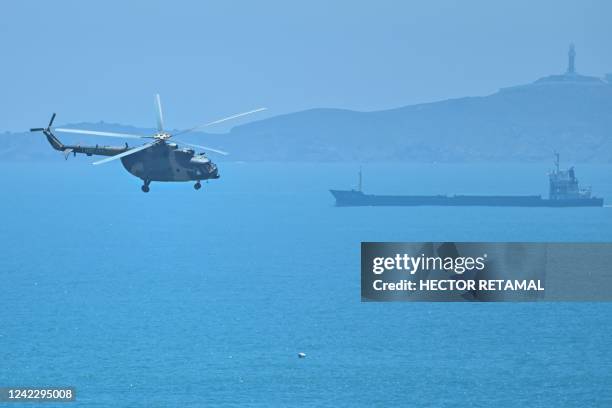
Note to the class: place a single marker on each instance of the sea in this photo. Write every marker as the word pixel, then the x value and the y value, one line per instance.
pixel 185 298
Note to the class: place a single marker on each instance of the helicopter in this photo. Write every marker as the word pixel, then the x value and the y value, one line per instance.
pixel 160 159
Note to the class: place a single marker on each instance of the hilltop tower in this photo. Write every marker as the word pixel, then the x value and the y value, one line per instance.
pixel 571 57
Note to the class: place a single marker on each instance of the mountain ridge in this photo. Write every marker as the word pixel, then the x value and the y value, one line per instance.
pixel 564 113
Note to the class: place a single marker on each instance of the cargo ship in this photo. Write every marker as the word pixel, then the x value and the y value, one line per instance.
pixel 564 191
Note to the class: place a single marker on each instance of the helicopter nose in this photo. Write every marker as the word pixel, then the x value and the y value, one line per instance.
pixel 211 170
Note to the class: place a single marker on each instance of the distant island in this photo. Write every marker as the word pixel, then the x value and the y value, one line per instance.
pixel 569 113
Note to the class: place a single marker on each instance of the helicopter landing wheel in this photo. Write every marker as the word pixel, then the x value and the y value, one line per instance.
pixel 197 185
pixel 145 187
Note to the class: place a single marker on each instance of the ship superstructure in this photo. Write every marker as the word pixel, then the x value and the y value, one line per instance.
pixel 564 184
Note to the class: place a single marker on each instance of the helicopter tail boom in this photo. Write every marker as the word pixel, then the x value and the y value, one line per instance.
pixel 74 149
pixel 54 141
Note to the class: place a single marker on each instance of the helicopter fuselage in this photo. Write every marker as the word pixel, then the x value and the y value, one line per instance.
pixel 166 162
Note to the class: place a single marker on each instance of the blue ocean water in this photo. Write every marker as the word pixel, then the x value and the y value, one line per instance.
pixel 204 298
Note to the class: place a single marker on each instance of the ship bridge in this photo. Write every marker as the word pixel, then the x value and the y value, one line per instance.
pixel 564 184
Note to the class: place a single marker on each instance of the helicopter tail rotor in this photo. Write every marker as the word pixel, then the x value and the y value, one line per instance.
pixel 54 141
pixel 48 128
pixel 51 121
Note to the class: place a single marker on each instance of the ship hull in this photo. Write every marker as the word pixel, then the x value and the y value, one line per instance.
pixel 353 198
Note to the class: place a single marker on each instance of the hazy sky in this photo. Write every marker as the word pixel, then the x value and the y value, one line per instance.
pixel 104 60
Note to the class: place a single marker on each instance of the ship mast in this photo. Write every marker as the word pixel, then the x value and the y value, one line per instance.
pixel 359 184
pixel 557 161
pixel 571 58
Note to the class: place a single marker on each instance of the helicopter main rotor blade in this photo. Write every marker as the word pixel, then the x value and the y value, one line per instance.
pixel 160 116
pixel 219 121
pixel 210 149
pixel 126 153
pixel 106 134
